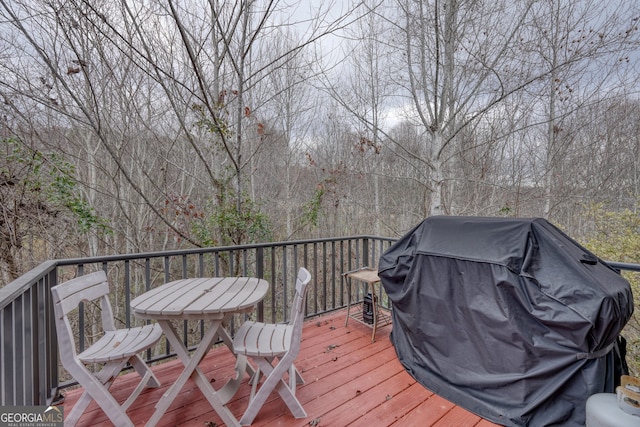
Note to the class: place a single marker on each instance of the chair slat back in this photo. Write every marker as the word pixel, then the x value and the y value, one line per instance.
pixel 68 295
pixel 297 308
pixel 303 279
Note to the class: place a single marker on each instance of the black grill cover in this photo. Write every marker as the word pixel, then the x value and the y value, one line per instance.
pixel 508 318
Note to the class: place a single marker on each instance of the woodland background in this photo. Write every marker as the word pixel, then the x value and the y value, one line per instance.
pixel 144 125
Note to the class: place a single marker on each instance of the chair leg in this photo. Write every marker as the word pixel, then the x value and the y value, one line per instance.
pixel 295 378
pixel 147 379
pixel 143 369
pixel 287 394
pixel 299 379
pixel 78 409
pixel 254 381
pixel 105 377
pixel 96 388
pixel 136 392
pixel 289 398
pixel 272 382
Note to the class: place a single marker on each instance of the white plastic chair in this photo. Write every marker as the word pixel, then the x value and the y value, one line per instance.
pixel 114 349
pixel 264 343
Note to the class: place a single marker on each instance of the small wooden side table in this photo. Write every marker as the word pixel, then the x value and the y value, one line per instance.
pixel 369 276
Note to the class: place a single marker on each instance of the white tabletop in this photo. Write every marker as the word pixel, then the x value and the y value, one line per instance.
pixel 200 298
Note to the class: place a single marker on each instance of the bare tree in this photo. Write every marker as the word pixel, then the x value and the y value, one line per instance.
pixel 185 80
pixel 582 50
pixel 461 68
pixel 287 111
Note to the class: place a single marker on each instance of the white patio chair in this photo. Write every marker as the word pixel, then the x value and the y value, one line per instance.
pixel 113 350
pixel 264 343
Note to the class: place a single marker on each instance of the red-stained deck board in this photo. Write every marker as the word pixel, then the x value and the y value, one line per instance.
pixel 366 407
pixel 349 381
pixel 395 406
pixel 427 413
pixel 458 417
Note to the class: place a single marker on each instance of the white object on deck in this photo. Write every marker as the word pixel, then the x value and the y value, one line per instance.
pixel 603 411
pixel 263 343
pixel 114 349
pixel 210 299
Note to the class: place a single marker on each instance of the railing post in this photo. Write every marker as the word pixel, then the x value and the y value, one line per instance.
pixel 127 293
pixel 365 252
pixel 52 379
pixel 260 275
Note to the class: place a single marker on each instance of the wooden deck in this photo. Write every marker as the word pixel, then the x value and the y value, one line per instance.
pixel 349 382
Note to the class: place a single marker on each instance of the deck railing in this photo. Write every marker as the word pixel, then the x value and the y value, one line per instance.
pixel 30 373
